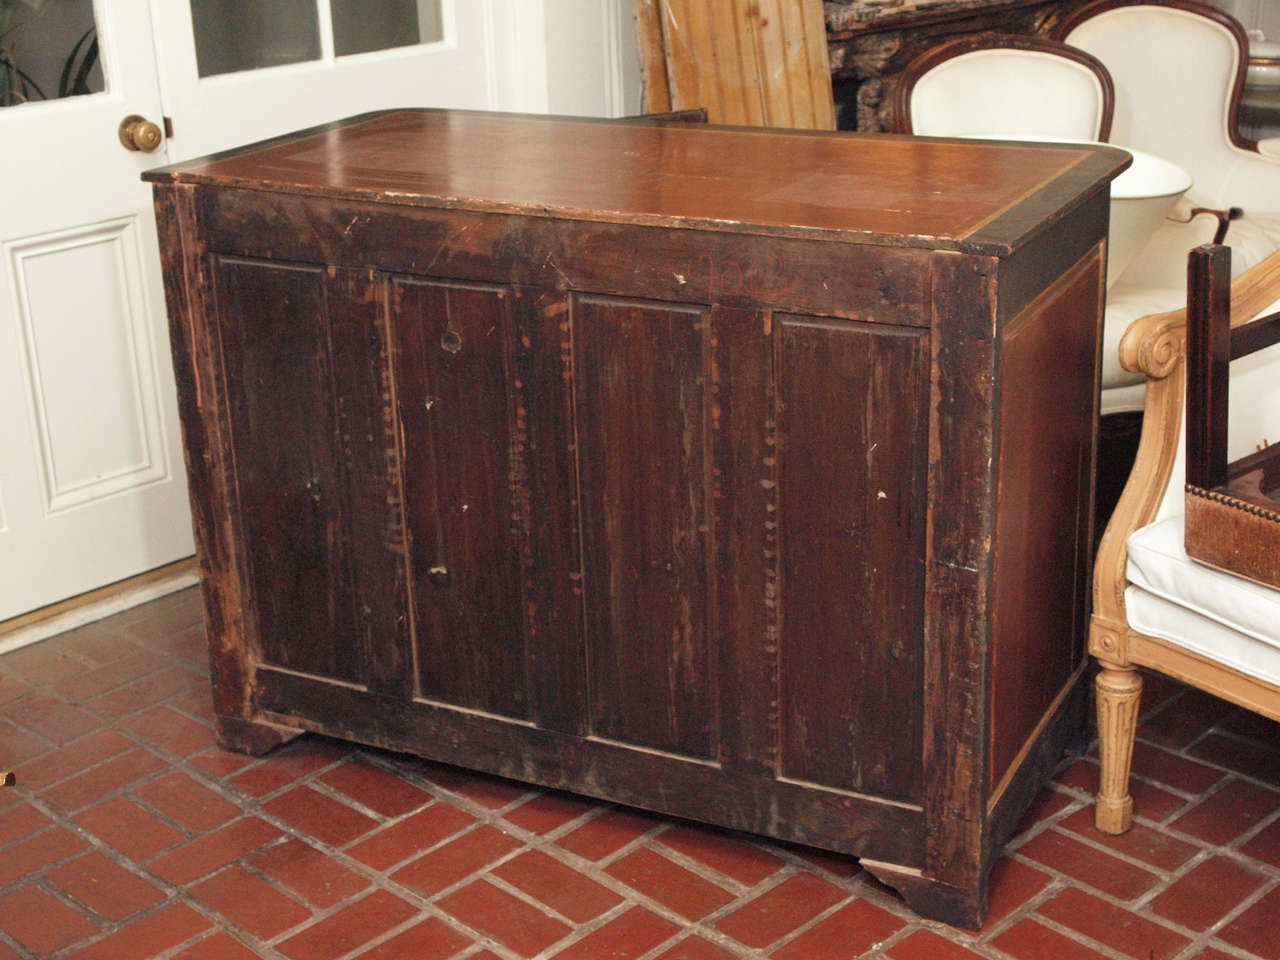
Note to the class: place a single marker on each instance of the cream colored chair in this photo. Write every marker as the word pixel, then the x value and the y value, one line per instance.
pixel 1152 606
pixel 1179 69
pixel 1000 84
pixel 1017 86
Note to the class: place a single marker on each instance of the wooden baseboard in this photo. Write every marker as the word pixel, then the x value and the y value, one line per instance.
pixel 95 604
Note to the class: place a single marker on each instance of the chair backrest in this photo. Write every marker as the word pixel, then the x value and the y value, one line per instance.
pixel 1005 84
pixel 1179 69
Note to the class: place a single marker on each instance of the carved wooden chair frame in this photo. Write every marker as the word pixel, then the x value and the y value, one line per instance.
pixel 935 56
pixel 1156 346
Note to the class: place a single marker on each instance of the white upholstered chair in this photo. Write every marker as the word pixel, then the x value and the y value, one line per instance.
pixel 1152 606
pixel 1004 84
pixel 1178 67
pixel 1030 87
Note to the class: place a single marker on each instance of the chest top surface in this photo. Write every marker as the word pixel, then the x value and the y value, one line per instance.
pixel 947 194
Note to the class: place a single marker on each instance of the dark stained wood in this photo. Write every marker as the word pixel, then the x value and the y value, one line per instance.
pixel 744 501
pixel 546 492
pixel 1255 335
pixel 278 355
pixel 373 529
pixel 1232 508
pixel 687 787
pixel 1043 534
pixel 695 515
pixel 958 570
pixel 852 466
pixel 1208 364
pixel 644 432
pixel 207 456
pixel 457 403
pixel 685 266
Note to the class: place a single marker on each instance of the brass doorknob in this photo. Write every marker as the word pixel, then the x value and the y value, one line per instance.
pixel 138 133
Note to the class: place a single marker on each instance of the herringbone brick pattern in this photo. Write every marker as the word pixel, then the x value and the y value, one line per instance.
pixel 130 835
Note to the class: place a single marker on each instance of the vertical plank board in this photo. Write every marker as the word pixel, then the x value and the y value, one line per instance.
pixel 958 578
pixel 774 40
pixel 197 370
pixel 744 501
pixel 1043 534
pixel 738 67
pixel 550 554
pixel 852 442
pixel 656 92
pixel 1208 362
pixel 641 404
pixel 813 63
pixel 277 356
pixel 374 527
pixel 455 398
pixel 749 63
pixel 683 25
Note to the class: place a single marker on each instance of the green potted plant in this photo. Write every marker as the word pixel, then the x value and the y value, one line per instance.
pixel 16 84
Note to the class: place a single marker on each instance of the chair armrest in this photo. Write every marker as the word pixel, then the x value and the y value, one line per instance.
pixel 1155 345
pixel 1255 290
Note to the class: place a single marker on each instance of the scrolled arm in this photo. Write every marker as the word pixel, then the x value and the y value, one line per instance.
pixel 1153 344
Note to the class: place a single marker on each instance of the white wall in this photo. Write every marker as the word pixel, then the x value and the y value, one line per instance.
pixel 574 57
pixel 1263 14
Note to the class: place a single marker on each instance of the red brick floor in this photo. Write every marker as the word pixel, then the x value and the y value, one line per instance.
pixel 129 835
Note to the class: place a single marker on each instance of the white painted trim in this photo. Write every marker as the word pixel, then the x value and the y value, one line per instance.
pixel 491 76
pixel 614 24
pixel 92 612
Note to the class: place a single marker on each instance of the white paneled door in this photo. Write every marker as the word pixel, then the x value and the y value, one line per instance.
pixel 238 71
pixel 92 488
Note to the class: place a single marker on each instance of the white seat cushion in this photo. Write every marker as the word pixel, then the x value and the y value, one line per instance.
pixel 1227 619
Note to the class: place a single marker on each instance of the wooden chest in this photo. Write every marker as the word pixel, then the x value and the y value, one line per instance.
pixel 740 475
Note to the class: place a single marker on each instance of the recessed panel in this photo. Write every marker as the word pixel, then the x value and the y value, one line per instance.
pixel 94 396
pixel 641 376
pixel 852 460
pixel 277 347
pixel 463 470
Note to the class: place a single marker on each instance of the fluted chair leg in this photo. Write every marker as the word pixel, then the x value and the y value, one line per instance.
pixel 1119 691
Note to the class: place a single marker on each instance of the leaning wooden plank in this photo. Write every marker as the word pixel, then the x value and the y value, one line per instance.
pixel 749 63
pixel 656 95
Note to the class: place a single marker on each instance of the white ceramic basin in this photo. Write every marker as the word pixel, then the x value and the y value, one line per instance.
pixel 1141 197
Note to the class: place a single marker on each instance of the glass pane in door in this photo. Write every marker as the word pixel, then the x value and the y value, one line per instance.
pixel 47 51
pixel 360 26
pixel 234 35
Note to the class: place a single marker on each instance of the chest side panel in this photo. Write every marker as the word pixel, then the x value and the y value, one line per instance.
pixel 1043 541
